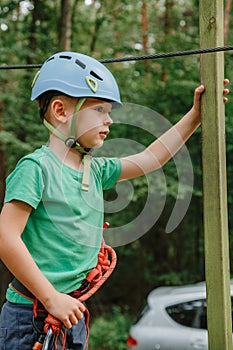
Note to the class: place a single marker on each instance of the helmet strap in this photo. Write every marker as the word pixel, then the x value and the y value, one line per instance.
pixel 71 142
pixel 86 171
pixel 74 117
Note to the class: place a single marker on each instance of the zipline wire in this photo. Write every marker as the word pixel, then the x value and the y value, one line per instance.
pixel 136 58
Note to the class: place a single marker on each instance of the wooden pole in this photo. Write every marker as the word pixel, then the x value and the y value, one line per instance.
pixel 214 179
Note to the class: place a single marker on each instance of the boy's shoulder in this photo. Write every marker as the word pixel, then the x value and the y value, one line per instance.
pixel 36 156
pixel 105 165
pixel 102 162
pixel 36 161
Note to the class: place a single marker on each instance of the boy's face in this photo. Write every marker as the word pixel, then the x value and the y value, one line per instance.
pixel 93 123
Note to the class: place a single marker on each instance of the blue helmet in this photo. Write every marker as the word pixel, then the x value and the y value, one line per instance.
pixel 76 75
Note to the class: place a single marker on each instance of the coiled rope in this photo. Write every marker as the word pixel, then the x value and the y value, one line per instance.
pixel 135 58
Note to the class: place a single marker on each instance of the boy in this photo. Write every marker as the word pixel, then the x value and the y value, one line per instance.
pixel 51 222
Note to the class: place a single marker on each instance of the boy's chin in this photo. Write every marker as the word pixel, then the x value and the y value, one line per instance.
pixel 99 145
pixel 96 147
pixel 93 147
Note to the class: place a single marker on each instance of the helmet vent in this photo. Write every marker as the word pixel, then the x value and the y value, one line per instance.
pixel 81 64
pixel 65 57
pixel 95 75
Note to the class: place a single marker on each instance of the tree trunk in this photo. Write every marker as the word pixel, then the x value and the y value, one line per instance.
pixel 32 36
pixel 65 25
pixel 228 7
pixel 144 32
pixel 167 32
pixel 98 23
pixel 167 17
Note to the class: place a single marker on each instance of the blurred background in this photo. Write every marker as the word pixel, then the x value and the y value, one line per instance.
pixel 31 31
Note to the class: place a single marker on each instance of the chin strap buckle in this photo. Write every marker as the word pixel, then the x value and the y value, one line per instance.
pixel 70 142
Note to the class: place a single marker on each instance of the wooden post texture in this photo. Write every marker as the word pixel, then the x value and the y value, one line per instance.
pixel 214 178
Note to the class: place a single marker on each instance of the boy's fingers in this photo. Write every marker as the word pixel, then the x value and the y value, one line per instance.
pixel 200 88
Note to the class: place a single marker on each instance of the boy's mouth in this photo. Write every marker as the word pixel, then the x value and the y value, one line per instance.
pixel 104 133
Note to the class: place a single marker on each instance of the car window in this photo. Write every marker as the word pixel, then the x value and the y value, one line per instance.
pixel 190 314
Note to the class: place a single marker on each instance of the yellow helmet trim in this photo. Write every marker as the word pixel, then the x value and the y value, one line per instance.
pixel 35 77
pixel 92 83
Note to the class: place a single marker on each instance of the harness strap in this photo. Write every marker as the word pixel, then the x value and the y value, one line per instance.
pixel 24 292
pixel 20 289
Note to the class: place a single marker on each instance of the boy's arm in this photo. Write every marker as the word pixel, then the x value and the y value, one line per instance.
pixel 19 261
pixel 165 147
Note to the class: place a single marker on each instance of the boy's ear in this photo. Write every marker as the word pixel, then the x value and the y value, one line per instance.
pixel 58 110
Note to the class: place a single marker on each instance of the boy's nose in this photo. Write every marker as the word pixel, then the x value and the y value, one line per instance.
pixel 108 120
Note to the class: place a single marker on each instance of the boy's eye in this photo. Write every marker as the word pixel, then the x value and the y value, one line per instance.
pixel 99 109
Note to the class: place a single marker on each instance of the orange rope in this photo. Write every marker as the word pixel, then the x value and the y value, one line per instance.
pixel 53 323
pixel 99 274
pixel 95 279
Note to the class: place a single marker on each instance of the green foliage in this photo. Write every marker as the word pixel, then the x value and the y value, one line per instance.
pixel 110 330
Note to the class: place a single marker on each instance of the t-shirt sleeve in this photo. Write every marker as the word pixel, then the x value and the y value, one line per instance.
pixel 111 171
pixel 25 183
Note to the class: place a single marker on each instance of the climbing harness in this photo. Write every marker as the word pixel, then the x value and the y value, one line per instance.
pixel 53 336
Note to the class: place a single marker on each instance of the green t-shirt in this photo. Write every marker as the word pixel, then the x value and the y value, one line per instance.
pixel 64 230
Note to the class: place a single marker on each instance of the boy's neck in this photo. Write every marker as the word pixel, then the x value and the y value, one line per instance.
pixel 68 156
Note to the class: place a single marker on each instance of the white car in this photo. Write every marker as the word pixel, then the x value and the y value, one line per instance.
pixel 174 319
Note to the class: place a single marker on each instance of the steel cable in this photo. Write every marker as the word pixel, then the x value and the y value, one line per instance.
pixel 135 58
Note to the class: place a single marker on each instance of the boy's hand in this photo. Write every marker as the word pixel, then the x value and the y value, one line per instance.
pixel 197 98
pixel 199 91
pixel 67 309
